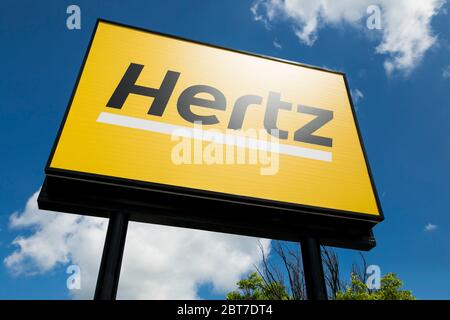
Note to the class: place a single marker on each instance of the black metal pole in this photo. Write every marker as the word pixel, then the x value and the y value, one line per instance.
pixel 313 268
pixel 109 272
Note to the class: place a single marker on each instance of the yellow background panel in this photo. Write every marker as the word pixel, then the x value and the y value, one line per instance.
pixel 91 147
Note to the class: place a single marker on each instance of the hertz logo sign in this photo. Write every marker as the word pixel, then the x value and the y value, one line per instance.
pixel 137 87
pixel 188 98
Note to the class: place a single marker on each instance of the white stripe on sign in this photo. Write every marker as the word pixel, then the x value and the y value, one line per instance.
pixel 212 136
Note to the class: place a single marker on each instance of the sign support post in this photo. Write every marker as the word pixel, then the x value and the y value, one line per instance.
pixel 313 268
pixel 109 272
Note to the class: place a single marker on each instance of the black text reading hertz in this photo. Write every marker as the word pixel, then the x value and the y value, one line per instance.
pixel 189 97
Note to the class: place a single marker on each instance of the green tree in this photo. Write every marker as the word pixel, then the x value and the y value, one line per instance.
pixel 269 283
pixel 254 288
pixel 390 289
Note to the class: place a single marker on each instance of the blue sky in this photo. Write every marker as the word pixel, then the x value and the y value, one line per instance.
pixel 404 115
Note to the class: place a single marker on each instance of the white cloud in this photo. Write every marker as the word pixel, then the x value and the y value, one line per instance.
pixel 430 227
pixel 356 95
pixel 159 262
pixel 406 33
pixel 446 72
pixel 257 16
pixel 277 45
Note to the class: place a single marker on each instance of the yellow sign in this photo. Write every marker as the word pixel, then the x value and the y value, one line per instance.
pixel 154 108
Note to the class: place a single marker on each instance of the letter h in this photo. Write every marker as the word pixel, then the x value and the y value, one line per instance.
pixel 128 85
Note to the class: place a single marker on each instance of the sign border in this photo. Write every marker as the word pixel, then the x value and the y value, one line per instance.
pixel 129 183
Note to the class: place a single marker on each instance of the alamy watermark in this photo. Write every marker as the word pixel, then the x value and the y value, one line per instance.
pixel 373 273
pixel 73 282
pixel 374 19
pixel 200 146
pixel 73 21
